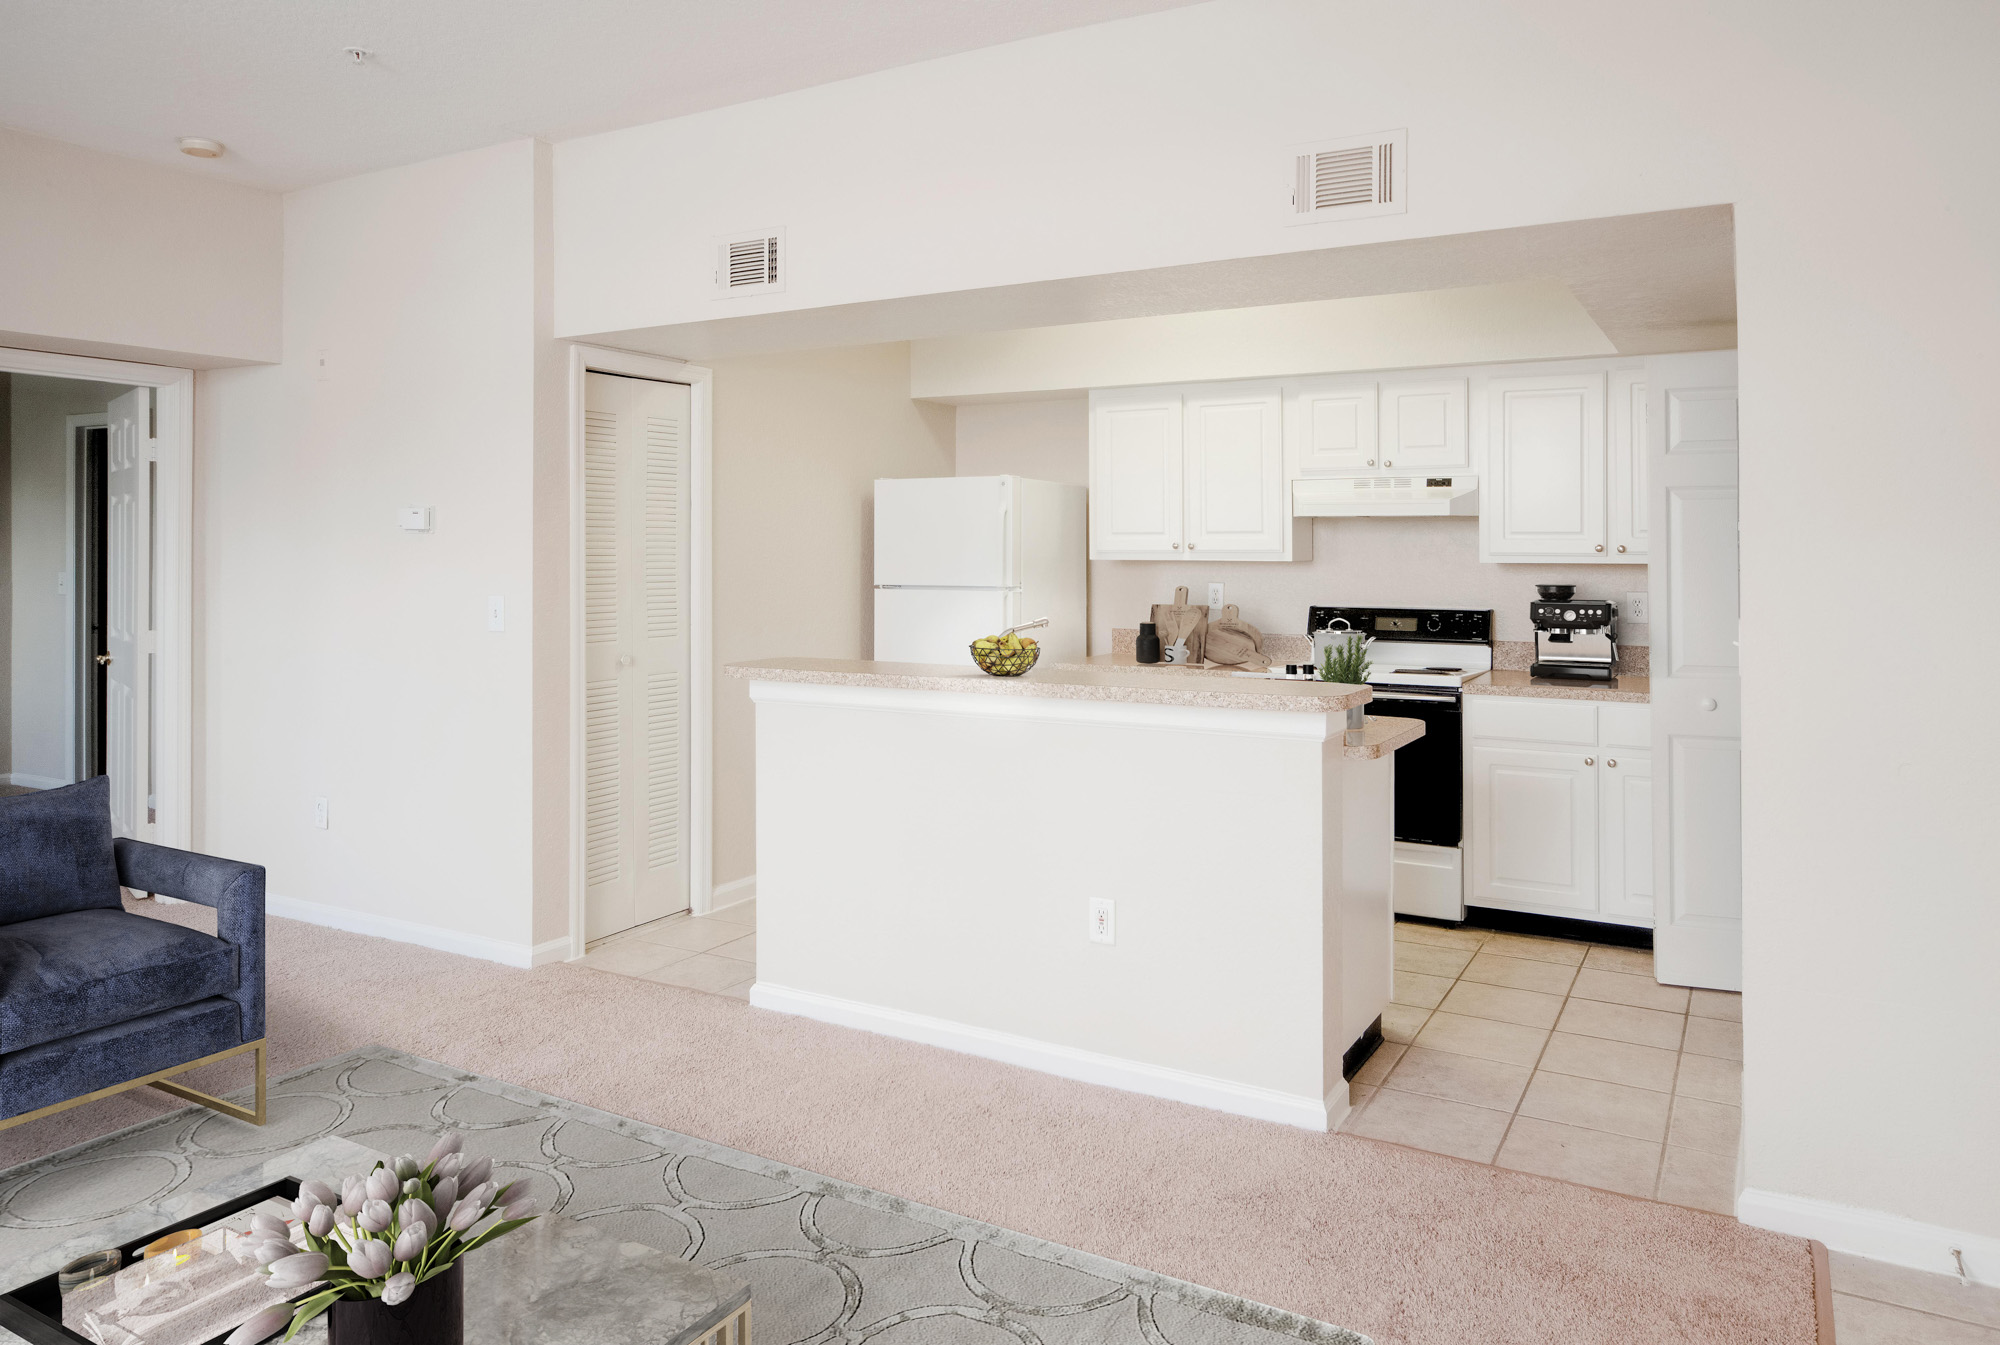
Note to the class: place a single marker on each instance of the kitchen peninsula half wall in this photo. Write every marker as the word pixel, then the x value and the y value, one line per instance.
pixel 1175 883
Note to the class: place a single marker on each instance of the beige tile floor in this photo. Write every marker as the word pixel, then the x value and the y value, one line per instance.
pixel 1559 1058
pixel 716 953
pixel 1878 1304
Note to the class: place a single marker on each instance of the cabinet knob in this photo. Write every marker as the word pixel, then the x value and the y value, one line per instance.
pixel 1707 702
pixel 1371 462
pixel 1387 463
pixel 1590 761
pixel 1190 546
pixel 1611 761
pixel 1177 546
pixel 1621 548
pixel 1600 546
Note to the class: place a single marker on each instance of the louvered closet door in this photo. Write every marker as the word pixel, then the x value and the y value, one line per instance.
pixel 635 651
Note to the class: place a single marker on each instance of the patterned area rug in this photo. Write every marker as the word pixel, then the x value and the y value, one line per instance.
pixel 829 1263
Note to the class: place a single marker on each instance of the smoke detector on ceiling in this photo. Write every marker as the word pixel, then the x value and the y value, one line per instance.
pixel 1352 178
pixel 751 263
pixel 201 149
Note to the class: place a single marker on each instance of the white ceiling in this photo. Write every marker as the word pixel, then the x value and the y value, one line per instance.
pixel 269 79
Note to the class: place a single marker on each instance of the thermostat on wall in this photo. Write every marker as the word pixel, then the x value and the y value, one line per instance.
pixel 415 520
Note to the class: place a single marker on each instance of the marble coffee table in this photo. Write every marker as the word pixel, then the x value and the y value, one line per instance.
pixel 557 1281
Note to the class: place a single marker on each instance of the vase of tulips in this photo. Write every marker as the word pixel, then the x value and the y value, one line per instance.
pixel 386 1250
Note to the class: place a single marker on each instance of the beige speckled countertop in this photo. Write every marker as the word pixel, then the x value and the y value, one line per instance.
pixel 1516 682
pixel 1129 684
pixel 1069 681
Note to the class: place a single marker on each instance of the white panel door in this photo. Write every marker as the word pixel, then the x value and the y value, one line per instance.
pixel 128 676
pixel 1625 834
pixel 1543 495
pixel 1697 724
pixel 1136 493
pixel 636 465
pixel 1423 423
pixel 938 625
pixel 1234 447
pixel 1331 423
pixel 1630 507
pixel 1534 829
pixel 946 531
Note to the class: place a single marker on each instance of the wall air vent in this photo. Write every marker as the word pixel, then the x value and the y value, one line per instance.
pixel 752 263
pixel 1349 179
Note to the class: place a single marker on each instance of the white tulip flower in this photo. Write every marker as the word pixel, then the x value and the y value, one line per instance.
pixel 321 1222
pixel 369 1259
pixel 410 1243
pixel 295 1272
pixel 262 1326
pixel 398 1287
pixel 384 1184
pixel 448 1143
pixel 375 1216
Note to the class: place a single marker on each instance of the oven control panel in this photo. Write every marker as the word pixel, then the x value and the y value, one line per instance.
pixel 1406 623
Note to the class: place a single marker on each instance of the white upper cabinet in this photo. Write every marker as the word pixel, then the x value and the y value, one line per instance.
pixel 1331 424
pixel 1233 446
pixel 1627 474
pixel 1423 423
pixel 1544 479
pixel 1197 470
pixel 1135 474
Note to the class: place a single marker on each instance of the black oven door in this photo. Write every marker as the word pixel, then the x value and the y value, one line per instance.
pixel 1429 801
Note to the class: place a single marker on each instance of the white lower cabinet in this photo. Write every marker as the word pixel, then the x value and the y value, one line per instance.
pixel 1534 829
pixel 1560 808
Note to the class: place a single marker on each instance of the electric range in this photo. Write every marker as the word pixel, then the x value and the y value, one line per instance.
pixel 1419 662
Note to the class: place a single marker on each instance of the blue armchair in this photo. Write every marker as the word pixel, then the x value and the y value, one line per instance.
pixel 95 1000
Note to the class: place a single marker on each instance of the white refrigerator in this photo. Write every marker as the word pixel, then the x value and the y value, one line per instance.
pixel 958 557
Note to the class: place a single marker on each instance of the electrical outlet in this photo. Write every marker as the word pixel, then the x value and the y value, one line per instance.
pixel 319 813
pixel 1103 920
pixel 496 613
pixel 1215 595
pixel 1636 609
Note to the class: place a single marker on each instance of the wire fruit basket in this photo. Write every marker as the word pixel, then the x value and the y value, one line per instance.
pixel 1001 662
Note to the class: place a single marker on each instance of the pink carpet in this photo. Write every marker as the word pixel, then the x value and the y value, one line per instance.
pixel 1408 1247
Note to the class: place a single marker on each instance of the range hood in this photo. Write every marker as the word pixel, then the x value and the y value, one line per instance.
pixel 1401 496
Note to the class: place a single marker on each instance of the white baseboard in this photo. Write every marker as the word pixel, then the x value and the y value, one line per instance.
pixel 26 781
pixel 733 893
pixel 1069 1062
pixel 1873 1234
pixel 424 936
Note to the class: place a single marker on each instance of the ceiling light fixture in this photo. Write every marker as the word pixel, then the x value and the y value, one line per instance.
pixel 201 149
pixel 360 55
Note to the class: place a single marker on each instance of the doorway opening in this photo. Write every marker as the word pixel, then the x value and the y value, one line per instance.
pixel 94 534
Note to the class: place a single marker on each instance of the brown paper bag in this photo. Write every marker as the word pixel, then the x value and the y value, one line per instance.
pixel 1180 620
pixel 1234 643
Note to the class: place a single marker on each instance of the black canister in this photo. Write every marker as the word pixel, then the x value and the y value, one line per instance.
pixel 1147 650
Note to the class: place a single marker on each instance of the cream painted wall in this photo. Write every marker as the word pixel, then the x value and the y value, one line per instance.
pixel 6 573
pixel 341 656
pixel 1479 324
pixel 1385 562
pixel 103 255
pixel 1867 321
pixel 41 541
pixel 799 442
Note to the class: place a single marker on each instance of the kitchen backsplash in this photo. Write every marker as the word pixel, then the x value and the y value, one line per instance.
pixel 1633 660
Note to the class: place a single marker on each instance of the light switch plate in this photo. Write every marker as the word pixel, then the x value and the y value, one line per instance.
pixel 1637 609
pixel 416 518
pixel 319 813
pixel 496 613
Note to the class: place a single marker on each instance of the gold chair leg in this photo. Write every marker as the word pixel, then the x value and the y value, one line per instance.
pixel 254 1116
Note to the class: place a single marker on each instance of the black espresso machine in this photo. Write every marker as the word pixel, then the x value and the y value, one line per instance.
pixel 1575 638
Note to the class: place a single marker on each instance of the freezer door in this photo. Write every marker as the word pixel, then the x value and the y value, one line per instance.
pixel 938 625
pixel 947 532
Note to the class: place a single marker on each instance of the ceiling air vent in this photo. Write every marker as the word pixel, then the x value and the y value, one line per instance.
pixel 752 263
pixel 1348 179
